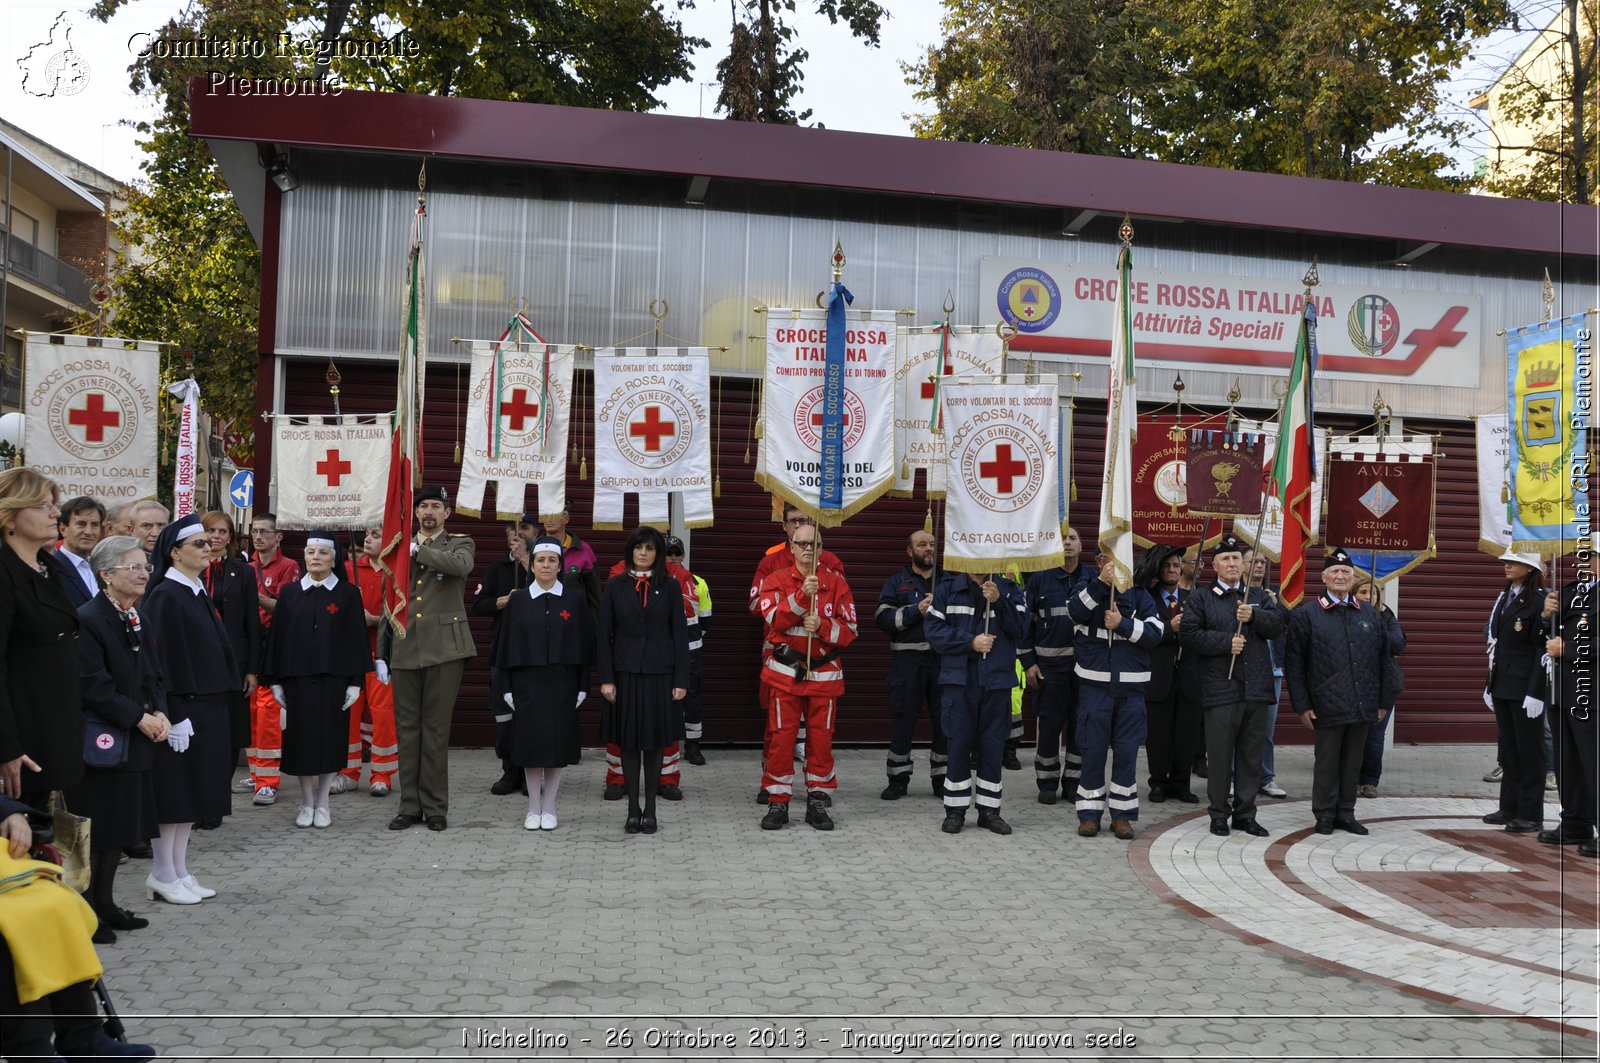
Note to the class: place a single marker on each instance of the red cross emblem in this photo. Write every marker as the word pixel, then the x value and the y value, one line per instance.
pixel 565 615
pixel 332 468
pixel 652 429
pixel 927 388
pixel 94 417
pixel 816 419
pixel 1003 470
pixel 333 610
pixel 519 408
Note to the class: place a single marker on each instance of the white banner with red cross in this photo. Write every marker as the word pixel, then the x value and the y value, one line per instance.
pixel 652 433
pixel 930 359
pixel 330 472
pixel 1001 508
pixel 91 414
pixel 519 413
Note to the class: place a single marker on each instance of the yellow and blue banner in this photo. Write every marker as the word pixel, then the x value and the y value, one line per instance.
pixel 1549 394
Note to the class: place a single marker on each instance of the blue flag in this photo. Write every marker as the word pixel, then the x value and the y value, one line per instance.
pixel 831 458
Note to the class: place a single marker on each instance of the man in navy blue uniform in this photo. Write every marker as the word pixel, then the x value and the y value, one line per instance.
pixel 1173 717
pixel 1115 632
pixel 1048 658
pixel 975 628
pixel 913 667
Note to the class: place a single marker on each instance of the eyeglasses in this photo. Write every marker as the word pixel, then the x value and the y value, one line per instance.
pixel 132 568
pixel 805 544
pixel 797 521
pixel 197 540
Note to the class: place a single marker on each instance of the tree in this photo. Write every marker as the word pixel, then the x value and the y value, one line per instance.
pixel 762 73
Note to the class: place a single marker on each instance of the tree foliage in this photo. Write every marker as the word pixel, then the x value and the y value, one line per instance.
pixel 1350 90
pixel 764 69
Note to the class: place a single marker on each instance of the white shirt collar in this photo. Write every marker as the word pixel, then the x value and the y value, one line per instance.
pixel 534 590
pixel 173 574
pixel 306 582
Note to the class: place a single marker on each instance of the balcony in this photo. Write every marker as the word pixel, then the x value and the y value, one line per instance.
pixel 48 272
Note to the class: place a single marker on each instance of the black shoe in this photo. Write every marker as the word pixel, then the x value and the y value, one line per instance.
pixel 991 821
pixel 822 795
pixel 1198 769
pixel 691 753
pixel 670 792
pixel 647 824
pixel 1351 826
pixel 1498 818
pixel 1251 827
pixel 1158 794
pixel 1325 826
pixel 509 783
pixel 103 935
pixel 437 823
pixel 122 919
pixel 209 824
pixel 614 792
pixel 1188 797
pixel 1555 837
pixel 1048 797
pixel 937 783
pixel 817 812
pixel 954 818
pixel 762 797
pixel 777 816
pixel 895 790
pixel 1219 826
pixel 404 822
pixel 139 852
pixel 1522 826
pixel 103 1046
pixel 1590 848
pixel 634 823
pixel 1010 762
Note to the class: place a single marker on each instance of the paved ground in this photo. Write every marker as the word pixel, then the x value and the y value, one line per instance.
pixel 358 942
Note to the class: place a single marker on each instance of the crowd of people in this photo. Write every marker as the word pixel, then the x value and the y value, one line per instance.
pixel 144 655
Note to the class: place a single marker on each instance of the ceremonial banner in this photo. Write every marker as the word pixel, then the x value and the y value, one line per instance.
pixel 186 458
pixel 790 462
pixel 1001 512
pixel 1494 460
pixel 1161 511
pixel 1269 523
pixel 1115 530
pixel 519 411
pixel 331 472
pixel 91 414
pixel 1380 495
pixel 1224 472
pixel 413 366
pixel 931 358
pixel 652 433
pixel 1550 392
pixel 1294 461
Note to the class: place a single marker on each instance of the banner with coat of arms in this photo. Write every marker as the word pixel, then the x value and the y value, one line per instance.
pixel 330 472
pixel 931 358
pixel 1161 511
pixel 1266 531
pixel 91 414
pixel 519 413
pixel 1550 392
pixel 652 433
pixel 1224 472
pixel 1380 499
pixel 790 459
pixel 1001 507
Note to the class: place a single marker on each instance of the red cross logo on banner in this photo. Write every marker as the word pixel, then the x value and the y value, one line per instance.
pixel 1003 470
pixel 332 468
pixel 927 388
pixel 519 409
pixel 816 419
pixel 652 429
pixel 94 417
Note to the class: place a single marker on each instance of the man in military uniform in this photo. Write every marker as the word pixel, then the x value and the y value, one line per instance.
pixel 426 665
pixel 1572 648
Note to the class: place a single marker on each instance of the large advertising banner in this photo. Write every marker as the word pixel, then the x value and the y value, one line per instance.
pixel 91 414
pixel 1387 335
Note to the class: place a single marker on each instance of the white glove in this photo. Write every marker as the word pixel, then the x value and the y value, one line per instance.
pixel 1488 702
pixel 413 548
pixel 277 695
pixel 350 696
pixel 582 694
pixel 178 737
pixel 283 719
pixel 382 670
pixel 1533 706
pixel 509 703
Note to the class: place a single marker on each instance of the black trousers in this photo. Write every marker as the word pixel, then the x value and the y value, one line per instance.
pixel 913 691
pixel 70 1015
pixel 1521 761
pixel 1576 761
pixel 1173 740
pixel 1336 769
pixel 1235 734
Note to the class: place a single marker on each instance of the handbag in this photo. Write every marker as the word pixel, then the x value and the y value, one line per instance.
pixel 105 745
pixel 71 841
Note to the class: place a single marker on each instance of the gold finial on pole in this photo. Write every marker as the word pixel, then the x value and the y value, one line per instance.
pixel 1549 296
pixel 422 185
pixel 1125 231
pixel 333 378
pixel 838 261
pixel 1311 279
pixel 1382 414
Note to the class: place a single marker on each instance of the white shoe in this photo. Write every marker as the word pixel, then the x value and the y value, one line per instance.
pixel 533 822
pixel 320 819
pixel 246 785
pixel 171 892
pixel 189 883
pixel 379 789
pixel 266 795
pixel 1494 776
pixel 343 784
pixel 547 821
pixel 304 817
pixel 1550 782
pixel 1272 789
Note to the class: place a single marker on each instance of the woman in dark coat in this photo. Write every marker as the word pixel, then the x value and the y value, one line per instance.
pixel 41 723
pixel 643 652
pixel 193 654
pixel 231 583
pixel 317 659
pixel 1516 691
pixel 124 713
pixel 541 668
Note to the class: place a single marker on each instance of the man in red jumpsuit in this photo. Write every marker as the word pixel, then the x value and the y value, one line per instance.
pixel 809 618
pixel 372 715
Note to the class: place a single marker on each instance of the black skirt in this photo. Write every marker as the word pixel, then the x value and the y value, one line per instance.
pixel 239 720
pixel 194 785
pixel 120 804
pixel 644 716
pixel 544 727
pixel 316 740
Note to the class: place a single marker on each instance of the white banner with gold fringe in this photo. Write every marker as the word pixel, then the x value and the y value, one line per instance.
pixel 519 413
pixel 930 359
pixel 652 433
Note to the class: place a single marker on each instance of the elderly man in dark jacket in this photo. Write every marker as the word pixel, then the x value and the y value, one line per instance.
pixel 1229 627
pixel 1334 666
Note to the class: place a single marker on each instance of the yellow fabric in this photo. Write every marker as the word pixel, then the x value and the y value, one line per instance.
pixel 47 927
pixel 1016 693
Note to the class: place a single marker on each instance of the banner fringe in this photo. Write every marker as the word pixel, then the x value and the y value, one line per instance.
pixel 1001 565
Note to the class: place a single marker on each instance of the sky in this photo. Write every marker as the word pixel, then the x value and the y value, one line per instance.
pixel 847 84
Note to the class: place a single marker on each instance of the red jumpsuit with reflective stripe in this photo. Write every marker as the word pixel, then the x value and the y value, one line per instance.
pixel 372 715
pixel 266 736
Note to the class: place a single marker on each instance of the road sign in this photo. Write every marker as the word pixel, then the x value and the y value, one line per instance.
pixel 242 488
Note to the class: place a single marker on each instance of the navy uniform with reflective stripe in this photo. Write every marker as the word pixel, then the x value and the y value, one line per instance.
pixel 913 676
pixel 1050 646
pixel 975 689
pixel 1113 668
